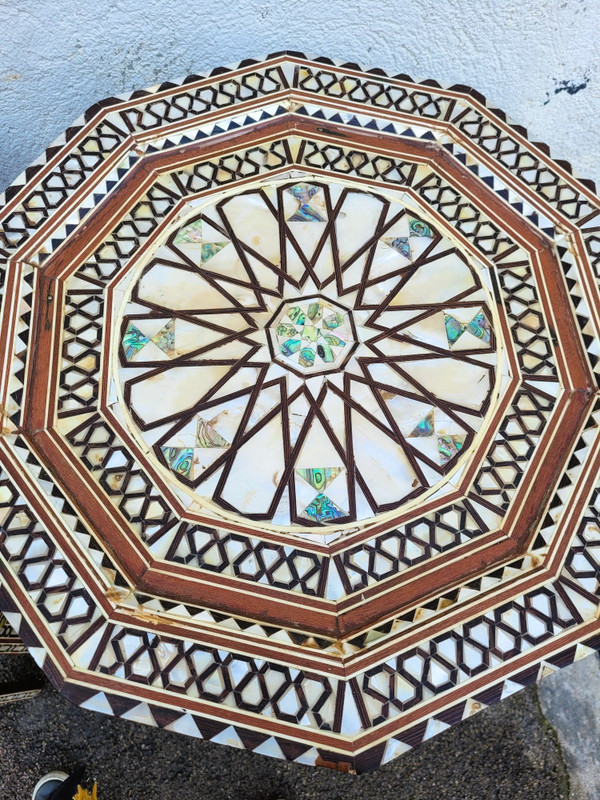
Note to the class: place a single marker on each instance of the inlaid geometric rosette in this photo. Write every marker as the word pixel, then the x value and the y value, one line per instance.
pixel 300 441
pixel 307 354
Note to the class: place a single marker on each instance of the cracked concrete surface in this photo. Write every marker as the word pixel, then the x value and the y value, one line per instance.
pixel 538 60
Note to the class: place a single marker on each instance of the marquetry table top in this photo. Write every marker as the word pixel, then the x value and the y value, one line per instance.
pixel 299 399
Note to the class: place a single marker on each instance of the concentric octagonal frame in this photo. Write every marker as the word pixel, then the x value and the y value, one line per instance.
pixel 346 645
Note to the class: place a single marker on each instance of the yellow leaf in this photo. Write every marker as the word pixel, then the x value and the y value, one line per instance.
pixel 83 794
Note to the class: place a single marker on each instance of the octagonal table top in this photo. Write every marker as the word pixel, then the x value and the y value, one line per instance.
pixel 299 400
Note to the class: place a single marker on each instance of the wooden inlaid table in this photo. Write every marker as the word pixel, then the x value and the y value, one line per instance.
pixel 299 401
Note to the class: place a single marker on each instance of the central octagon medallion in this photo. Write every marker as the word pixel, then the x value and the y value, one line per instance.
pixel 312 335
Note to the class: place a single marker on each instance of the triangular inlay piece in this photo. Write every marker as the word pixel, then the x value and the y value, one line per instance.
pixel 165 338
pixel 210 249
pixel 319 477
pixel 179 459
pixel 208 436
pixel 418 228
pixel 449 446
pixel 480 327
pixel 323 509
pixel 426 427
pixel 133 341
pixel 191 234
pixel 454 329
pixel 398 243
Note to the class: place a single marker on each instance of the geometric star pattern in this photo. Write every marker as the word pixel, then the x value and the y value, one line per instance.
pixel 306 340
pixel 325 563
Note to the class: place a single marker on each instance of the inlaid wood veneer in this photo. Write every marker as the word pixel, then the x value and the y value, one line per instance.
pixel 300 423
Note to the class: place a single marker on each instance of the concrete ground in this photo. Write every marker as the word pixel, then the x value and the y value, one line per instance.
pixel 539 744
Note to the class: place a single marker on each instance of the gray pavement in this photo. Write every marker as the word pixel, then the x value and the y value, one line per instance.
pixel 507 752
pixel 570 702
